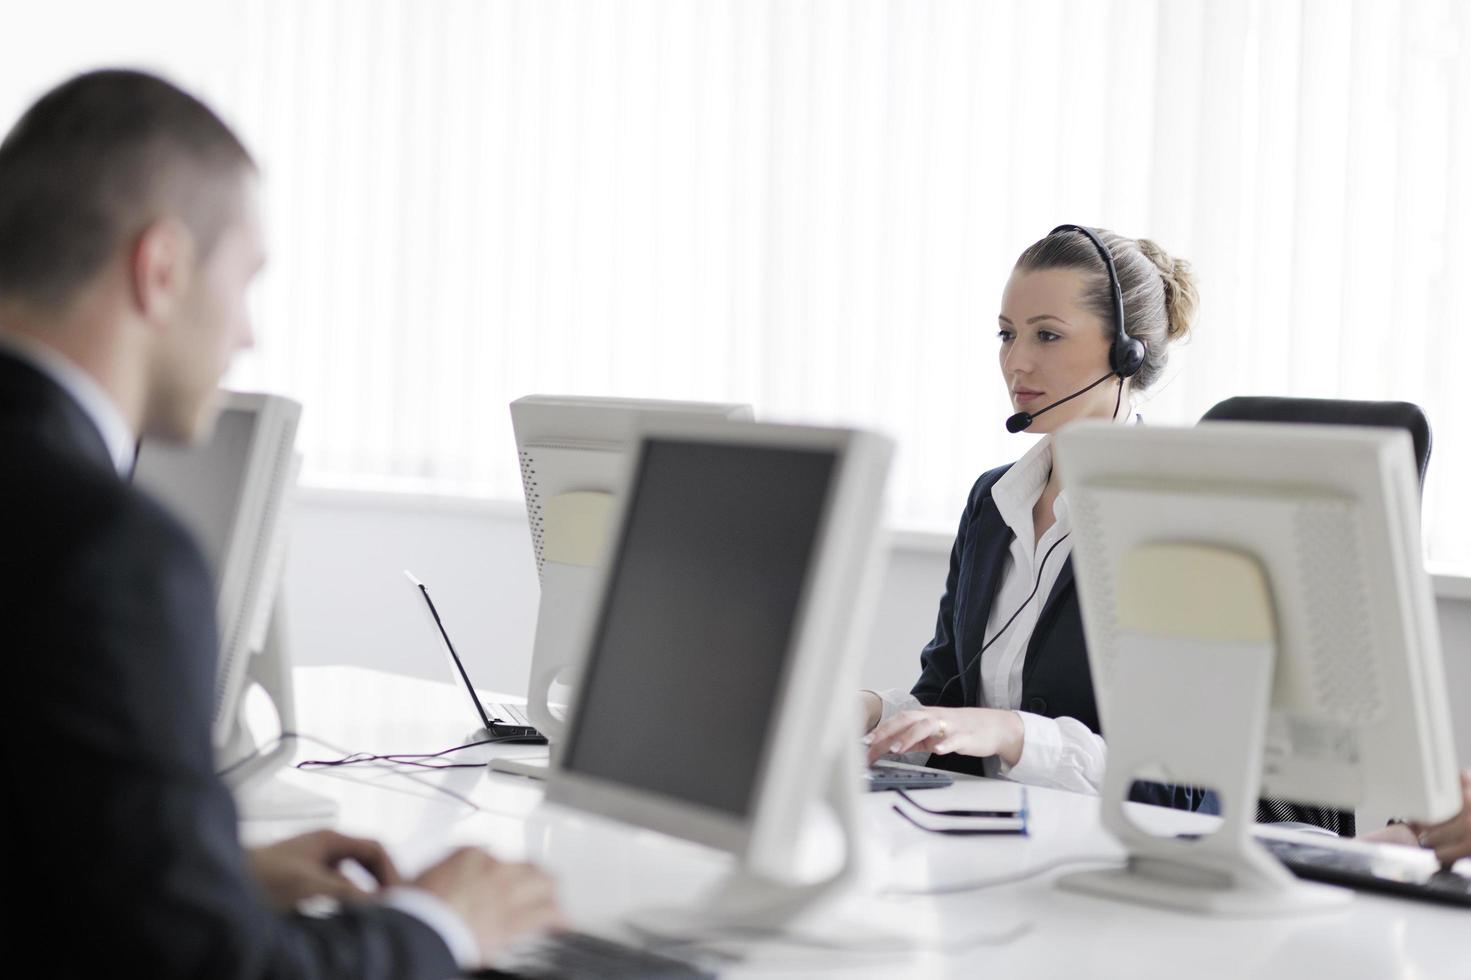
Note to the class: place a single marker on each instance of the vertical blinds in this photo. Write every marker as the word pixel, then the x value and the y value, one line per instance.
pixel 812 205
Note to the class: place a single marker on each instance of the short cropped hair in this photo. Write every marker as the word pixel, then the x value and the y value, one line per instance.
pixel 93 163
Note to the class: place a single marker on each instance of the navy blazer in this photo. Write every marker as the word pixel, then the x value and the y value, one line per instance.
pixel 1055 678
pixel 123 845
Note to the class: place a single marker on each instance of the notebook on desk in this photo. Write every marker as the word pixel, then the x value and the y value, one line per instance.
pixel 502 722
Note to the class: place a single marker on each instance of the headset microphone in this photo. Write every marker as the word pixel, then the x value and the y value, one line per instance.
pixel 1022 420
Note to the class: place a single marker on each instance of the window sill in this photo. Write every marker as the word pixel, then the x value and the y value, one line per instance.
pixel 1448 581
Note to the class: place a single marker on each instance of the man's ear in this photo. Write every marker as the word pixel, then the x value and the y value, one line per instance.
pixel 159 267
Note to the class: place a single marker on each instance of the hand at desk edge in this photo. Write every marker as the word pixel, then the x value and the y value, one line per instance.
pixel 1450 839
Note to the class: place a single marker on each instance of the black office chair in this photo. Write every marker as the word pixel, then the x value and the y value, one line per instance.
pixel 1331 411
pixel 1325 411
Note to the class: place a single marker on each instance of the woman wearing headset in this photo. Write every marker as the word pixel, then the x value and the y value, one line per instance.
pixel 1025 708
pixel 1023 705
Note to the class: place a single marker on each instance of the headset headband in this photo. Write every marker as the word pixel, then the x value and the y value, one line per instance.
pixel 1126 354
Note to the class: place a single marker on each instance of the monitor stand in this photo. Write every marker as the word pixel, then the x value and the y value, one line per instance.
pixel 1201 669
pixel 548 715
pixel 250 770
pixel 833 911
pixel 566 592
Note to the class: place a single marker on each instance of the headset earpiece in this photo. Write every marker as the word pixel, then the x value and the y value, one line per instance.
pixel 1126 355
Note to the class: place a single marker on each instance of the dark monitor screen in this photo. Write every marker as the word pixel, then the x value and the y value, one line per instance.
pixel 691 645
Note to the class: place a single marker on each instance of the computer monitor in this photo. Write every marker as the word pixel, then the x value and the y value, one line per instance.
pixel 1259 622
pixel 232 491
pixel 573 453
pixel 713 702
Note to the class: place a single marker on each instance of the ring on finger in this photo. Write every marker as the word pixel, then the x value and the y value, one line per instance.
pixel 940 729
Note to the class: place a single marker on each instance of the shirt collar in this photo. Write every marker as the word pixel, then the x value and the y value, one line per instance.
pixel 95 403
pixel 1016 491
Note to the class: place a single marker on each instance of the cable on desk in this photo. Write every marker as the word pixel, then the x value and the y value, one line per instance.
pixel 961 888
pixel 390 762
pixel 393 768
pixel 356 758
pixel 406 758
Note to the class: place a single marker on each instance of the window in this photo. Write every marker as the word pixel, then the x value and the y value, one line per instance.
pixel 812 206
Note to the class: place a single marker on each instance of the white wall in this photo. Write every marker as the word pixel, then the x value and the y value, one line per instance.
pixel 350 604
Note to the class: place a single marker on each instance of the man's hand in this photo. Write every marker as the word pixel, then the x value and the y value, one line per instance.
pixel 309 866
pixel 500 902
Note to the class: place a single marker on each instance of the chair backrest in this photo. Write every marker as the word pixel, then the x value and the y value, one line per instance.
pixel 1331 411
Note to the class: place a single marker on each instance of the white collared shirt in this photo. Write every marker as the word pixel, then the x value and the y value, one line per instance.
pixel 119 438
pixel 1058 752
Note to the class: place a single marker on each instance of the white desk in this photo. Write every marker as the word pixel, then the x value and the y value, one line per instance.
pixel 605 870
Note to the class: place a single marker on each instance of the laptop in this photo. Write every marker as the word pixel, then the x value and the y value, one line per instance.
pixel 508 723
pixel 502 722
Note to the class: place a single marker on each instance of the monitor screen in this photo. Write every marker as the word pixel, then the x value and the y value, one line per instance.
pixel 690 649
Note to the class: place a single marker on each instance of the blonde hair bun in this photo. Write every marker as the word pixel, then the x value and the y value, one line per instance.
pixel 1182 298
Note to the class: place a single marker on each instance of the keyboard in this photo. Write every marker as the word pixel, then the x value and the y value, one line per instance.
pixel 891 777
pixel 579 956
pixel 1377 872
pixel 512 725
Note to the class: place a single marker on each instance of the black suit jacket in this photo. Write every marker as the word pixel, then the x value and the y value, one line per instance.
pixel 1055 677
pixel 120 843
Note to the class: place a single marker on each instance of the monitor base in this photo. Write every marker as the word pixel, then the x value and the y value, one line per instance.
pixel 532 767
pixel 828 919
pixel 742 904
pixel 1183 888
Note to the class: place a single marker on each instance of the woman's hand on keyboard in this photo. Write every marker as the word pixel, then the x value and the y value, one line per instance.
pixel 967 731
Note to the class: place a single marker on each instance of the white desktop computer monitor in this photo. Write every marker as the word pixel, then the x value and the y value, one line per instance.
pixel 1259 622
pixel 573 454
pixel 232 492
pixel 714 699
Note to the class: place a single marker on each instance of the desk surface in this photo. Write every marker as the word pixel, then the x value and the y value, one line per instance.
pixel 1025 928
